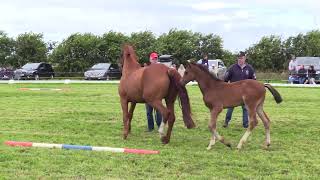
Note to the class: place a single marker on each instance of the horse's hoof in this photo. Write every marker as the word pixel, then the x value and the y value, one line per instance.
pixel 125 137
pixel 165 140
pixel 208 148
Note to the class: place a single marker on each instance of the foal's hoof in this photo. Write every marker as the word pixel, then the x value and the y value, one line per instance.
pixel 228 144
pixel 165 140
pixel 266 146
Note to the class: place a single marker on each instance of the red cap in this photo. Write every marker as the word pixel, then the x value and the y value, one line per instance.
pixel 154 55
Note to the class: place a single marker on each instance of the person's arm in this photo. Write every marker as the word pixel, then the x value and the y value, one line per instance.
pixel 252 74
pixel 228 75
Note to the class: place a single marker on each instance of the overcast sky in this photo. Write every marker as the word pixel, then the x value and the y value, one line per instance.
pixel 239 23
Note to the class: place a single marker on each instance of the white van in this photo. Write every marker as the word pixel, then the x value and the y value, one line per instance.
pixel 216 67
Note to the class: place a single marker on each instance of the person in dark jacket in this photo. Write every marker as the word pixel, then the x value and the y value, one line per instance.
pixel 311 75
pixel 302 74
pixel 205 61
pixel 237 72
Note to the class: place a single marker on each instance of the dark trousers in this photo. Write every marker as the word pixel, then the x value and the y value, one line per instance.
pixel 302 80
pixel 158 117
pixel 244 116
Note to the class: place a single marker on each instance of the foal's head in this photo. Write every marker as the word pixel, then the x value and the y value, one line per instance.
pixel 194 71
pixel 189 74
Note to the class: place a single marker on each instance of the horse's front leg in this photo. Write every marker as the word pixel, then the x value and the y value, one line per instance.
pixel 132 107
pixel 213 128
pixel 124 106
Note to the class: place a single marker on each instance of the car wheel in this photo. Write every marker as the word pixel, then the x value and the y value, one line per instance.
pixel 36 77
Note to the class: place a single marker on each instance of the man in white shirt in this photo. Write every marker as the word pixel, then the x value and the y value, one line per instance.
pixel 292 66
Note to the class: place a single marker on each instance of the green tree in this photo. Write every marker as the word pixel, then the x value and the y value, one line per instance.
pixel 267 54
pixel 180 43
pixel 295 46
pixel 110 46
pixel 312 40
pixel 6 49
pixel 208 44
pixel 29 47
pixel 77 53
pixel 228 58
pixel 144 42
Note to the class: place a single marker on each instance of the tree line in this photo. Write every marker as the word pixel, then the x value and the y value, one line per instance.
pixel 79 51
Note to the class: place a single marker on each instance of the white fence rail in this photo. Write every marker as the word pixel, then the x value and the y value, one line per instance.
pixel 68 81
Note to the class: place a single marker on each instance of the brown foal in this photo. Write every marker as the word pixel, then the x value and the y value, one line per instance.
pixel 218 95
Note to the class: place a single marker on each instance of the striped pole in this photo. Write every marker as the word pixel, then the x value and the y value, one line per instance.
pixel 40 89
pixel 89 148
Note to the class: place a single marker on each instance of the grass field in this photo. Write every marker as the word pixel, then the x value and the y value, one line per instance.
pixel 89 114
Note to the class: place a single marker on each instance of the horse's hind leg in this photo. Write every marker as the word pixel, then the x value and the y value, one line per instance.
pixel 213 128
pixel 171 120
pixel 133 105
pixel 124 106
pixel 252 124
pixel 266 122
pixel 165 116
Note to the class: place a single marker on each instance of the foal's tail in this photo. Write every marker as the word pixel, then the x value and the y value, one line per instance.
pixel 274 92
pixel 184 97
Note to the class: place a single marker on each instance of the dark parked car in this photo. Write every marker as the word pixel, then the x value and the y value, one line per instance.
pixel 34 71
pixel 166 60
pixel 6 73
pixel 103 71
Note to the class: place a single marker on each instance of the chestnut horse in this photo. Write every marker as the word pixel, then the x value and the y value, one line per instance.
pixel 150 85
pixel 218 95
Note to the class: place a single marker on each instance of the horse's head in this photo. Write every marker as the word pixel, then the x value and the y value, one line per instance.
pixel 189 74
pixel 128 54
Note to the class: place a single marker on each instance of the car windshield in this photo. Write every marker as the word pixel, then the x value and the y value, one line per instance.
pixel 100 66
pixel 165 58
pixel 31 66
pixel 211 62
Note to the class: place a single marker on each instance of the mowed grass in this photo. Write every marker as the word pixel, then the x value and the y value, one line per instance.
pixel 90 114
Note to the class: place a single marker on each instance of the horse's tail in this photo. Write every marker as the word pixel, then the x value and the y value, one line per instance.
pixel 175 77
pixel 274 92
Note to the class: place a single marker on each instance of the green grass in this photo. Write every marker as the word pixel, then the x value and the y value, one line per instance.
pixel 89 114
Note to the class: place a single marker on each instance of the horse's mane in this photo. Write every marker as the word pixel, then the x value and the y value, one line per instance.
pixel 204 69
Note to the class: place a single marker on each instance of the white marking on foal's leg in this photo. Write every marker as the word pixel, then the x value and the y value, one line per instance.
pixel 244 139
pixel 162 129
pixel 212 141
pixel 216 134
pixel 268 141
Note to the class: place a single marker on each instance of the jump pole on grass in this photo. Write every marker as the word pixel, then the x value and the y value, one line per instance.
pixel 79 147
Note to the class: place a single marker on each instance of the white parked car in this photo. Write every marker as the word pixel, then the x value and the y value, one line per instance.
pixel 216 67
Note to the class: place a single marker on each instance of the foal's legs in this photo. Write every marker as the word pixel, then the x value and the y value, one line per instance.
pixel 124 106
pixel 133 105
pixel 252 124
pixel 213 128
pixel 266 122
